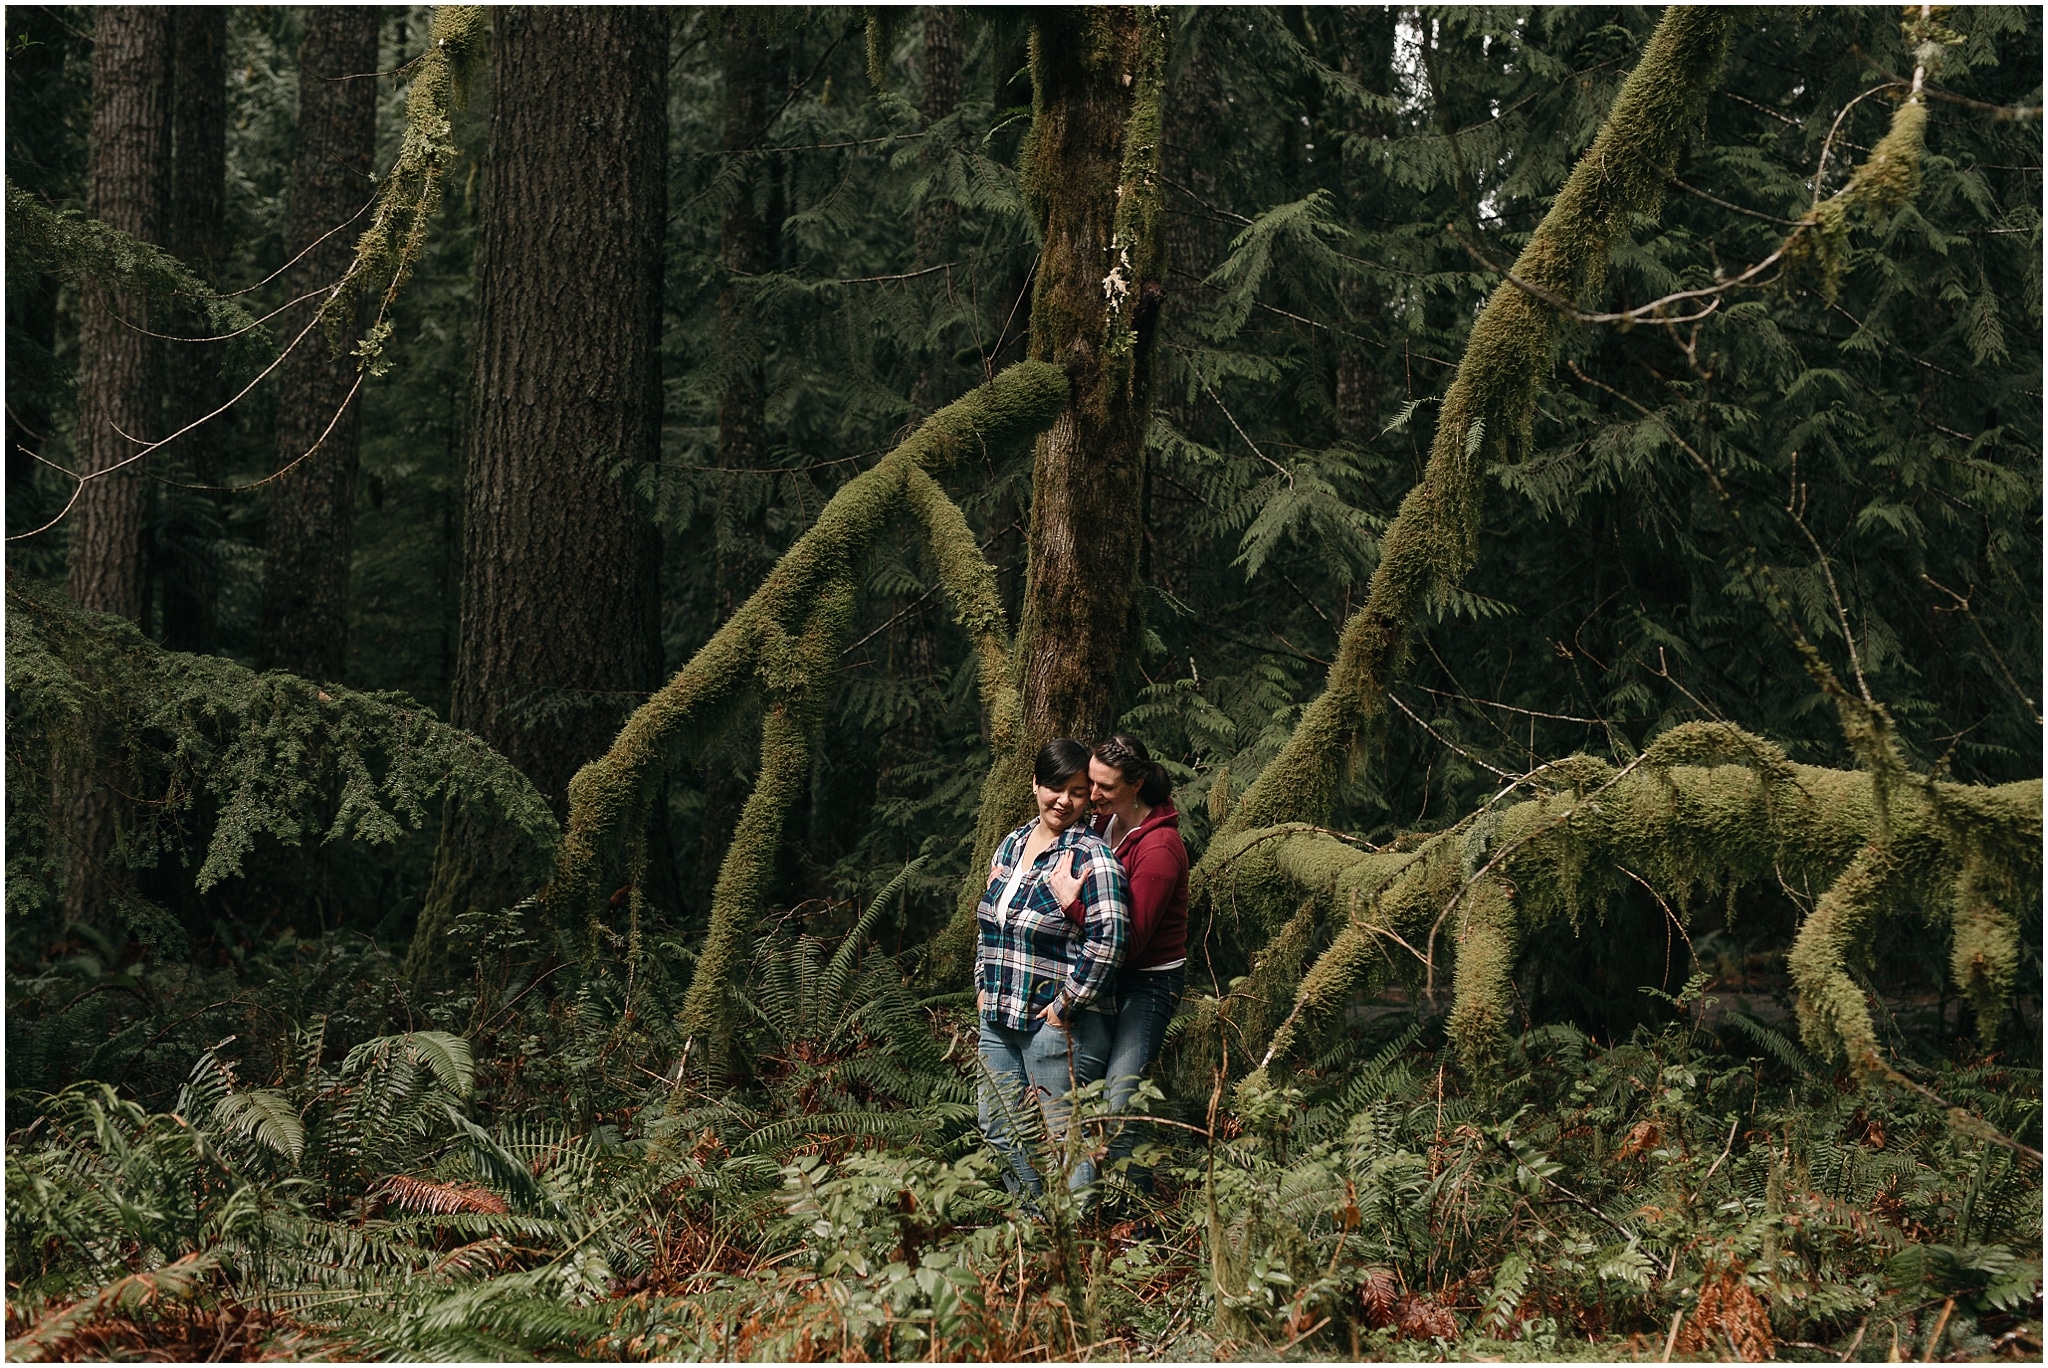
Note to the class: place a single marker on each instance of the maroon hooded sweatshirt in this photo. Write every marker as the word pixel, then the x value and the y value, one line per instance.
pixel 1155 865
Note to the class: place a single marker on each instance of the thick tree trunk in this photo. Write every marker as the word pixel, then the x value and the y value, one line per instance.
pixel 119 390
pixel 1091 169
pixel 932 232
pixel 188 523
pixel 312 507
pixel 120 369
pixel 560 604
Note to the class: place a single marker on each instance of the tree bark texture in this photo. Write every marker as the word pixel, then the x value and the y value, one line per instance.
pixel 120 369
pixel 187 527
pixel 560 629
pixel 1091 170
pixel 312 505
pixel 560 635
pixel 932 231
pixel 931 235
pixel 119 391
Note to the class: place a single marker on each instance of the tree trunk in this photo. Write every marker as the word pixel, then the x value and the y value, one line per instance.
pixel 1367 56
pixel 119 391
pixel 312 506
pixel 1091 170
pixel 932 232
pixel 120 369
pixel 187 529
pixel 560 604
pixel 747 238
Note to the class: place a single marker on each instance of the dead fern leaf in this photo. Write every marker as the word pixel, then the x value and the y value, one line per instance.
pixel 441 1199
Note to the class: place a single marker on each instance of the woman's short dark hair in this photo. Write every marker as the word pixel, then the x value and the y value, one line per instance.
pixel 1059 760
pixel 1127 756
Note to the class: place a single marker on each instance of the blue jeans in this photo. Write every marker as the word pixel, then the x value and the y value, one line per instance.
pixel 1037 1069
pixel 1146 999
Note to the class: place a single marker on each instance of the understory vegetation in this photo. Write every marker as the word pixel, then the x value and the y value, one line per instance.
pixel 1579 472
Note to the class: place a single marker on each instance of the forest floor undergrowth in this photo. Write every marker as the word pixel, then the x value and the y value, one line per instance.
pixel 290 1167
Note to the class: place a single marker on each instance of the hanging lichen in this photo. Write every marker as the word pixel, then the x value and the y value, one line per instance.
pixel 397 236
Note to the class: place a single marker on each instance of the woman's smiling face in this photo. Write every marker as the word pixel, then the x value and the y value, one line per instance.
pixel 1108 788
pixel 1059 808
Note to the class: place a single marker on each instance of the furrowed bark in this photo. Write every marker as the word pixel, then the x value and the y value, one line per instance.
pixel 560 635
pixel 119 388
pixel 121 370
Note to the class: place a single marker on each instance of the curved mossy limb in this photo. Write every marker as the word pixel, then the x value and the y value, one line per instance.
pixel 610 798
pixel 970 584
pixel 797 677
pixel 1681 825
pixel 1984 946
pixel 1834 1017
pixel 1486 942
pixel 1433 539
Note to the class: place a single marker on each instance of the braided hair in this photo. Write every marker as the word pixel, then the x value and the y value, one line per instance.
pixel 1127 756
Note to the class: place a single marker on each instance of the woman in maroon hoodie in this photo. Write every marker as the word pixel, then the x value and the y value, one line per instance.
pixel 1134 812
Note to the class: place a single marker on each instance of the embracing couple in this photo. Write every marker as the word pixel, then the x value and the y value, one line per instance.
pixel 1083 944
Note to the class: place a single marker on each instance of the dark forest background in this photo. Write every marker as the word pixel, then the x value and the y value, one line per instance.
pixel 827 209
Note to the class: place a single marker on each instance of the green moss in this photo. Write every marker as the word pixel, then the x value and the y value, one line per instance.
pixel 1433 540
pixel 1708 810
pixel 610 798
pixel 1486 940
pixel 796 675
pixel 1834 1018
pixel 397 235
pixel 1984 944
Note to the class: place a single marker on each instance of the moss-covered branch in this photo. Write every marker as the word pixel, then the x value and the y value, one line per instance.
pixel 397 236
pixel 1431 543
pixel 1707 808
pixel 610 798
pixel 797 676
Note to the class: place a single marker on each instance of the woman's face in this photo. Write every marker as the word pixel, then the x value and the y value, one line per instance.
pixel 1059 808
pixel 1108 788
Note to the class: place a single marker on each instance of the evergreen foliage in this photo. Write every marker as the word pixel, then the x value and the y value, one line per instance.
pixel 1717 1036
pixel 224 764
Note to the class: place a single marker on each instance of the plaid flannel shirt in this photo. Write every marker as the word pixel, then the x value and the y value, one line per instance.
pixel 1033 951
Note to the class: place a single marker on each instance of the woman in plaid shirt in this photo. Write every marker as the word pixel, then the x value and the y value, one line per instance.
pixel 1048 983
